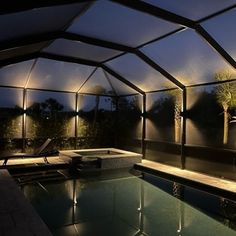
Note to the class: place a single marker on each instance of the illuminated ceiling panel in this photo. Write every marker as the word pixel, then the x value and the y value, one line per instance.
pixel 119 87
pixel 36 21
pixel 113 22
pixel 193 9
pixel 58 75
pixel 18 51
pixel 15 74
pixel 188 58
pixel 222 28
pixel 185 55
pixel 139 73
pixel 80 50
pixel 97 84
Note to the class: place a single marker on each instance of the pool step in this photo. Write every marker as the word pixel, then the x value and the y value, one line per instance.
pixel 37 177
pixel 28 178
pixel 89 166
pixel 35 167
pixel 47 180
pixel 88 163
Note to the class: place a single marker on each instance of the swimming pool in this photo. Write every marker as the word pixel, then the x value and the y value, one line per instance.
pixel 119 206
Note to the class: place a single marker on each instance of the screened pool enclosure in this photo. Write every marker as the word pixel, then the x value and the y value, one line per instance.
pixel 155 77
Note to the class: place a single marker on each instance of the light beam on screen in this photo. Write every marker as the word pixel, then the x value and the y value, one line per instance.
pixel 151 129
pixel 192 97
pixel 193 134
pixel 149 104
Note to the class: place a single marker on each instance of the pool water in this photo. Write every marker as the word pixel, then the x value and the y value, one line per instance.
pixel 122 206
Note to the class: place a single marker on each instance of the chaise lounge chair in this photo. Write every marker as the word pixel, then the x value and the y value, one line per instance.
pixel 42 151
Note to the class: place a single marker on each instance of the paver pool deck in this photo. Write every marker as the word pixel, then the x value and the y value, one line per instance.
pixel 215 185
pixel 17 216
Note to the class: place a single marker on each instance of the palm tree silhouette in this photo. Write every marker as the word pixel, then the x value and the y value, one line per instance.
pixel 226 97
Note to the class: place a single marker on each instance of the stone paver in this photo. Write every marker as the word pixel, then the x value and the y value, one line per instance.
pixel 39 160
pixel 17 216
pixel 224 184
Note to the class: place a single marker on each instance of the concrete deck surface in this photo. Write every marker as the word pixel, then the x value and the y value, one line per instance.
pixel 39 160
pixel 198 178
pixel 17 216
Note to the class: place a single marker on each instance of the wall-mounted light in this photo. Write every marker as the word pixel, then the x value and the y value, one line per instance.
pixel 75 202
pixel 78 113
pixel 233 119
pixel 23 111
pixel 184 114
pixel 143 114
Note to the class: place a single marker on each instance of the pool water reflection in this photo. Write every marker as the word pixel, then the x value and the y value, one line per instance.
pixel 125 206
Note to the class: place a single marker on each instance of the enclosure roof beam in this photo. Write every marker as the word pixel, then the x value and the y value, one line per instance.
pixel 86 80
pixel 30 73
pixel 38 38
pixel 110 83
pixel 122 79
pixel 215 45
pixel 216 13
pixel 36 89
pixel 97 42
pixel 98 94
pixel 158 68
pixel 25 5
pixel 116 46
pixel 17 59
pixel 162 90
pixel 46 55
pixel 212 83
pixel 72 60
pixel 177 19
pixel 127 95
pixel 30 39
pixel 91 63
pixel 157 12
pixel 137 5
pixel 68 59
pixel 50 36
pixel 162 37
pixel 167 15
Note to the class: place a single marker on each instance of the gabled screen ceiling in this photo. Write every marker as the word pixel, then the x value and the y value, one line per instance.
pixel 113 22
pixel 117 47
pixel 193 9
pixel 58 75
pixel 139 73
pixel 196 67
pixel 81 50
pixel 37 21
pixel 222 28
